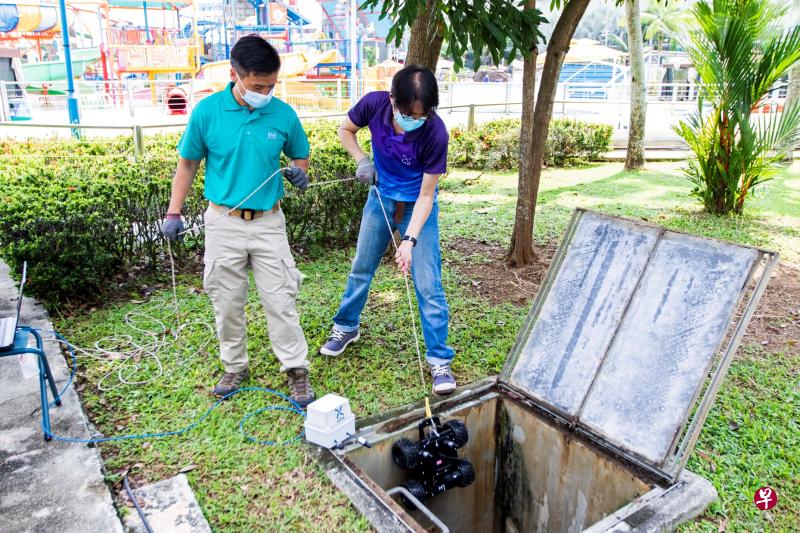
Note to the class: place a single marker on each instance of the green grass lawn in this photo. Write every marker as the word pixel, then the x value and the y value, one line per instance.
pixel 751 437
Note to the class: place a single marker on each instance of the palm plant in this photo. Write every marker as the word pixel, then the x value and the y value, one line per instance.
pixel 739 54
pixel 664 21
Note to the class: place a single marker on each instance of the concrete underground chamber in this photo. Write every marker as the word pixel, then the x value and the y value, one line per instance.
pixel 601 400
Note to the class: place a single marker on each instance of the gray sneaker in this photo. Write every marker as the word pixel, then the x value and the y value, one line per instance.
pixel 443 380
pixel 338 341
pixel 230 382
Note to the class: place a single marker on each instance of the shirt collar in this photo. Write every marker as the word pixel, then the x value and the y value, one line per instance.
pixel 229 102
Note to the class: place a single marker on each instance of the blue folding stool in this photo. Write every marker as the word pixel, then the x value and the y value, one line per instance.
pixel 21 337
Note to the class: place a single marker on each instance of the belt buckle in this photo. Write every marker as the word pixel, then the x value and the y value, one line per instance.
pixel 248 214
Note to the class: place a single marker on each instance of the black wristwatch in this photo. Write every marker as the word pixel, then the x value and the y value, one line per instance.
pixel 410 238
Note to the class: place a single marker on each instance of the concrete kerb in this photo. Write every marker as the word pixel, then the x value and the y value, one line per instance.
pixel 36 475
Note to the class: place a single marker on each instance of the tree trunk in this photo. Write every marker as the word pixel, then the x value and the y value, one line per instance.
pixel 521 249
pixel 556 50
pixel 425 44
pixel 634 158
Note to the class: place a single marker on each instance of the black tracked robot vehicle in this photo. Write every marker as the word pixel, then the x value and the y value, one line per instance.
pixel 433 461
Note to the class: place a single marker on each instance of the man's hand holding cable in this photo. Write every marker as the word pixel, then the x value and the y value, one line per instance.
pixel 366 173
pixel 172 227
pixel 297 177
pixel 403 255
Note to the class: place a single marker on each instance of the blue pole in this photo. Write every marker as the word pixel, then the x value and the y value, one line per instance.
pixel 72 101
pixel 353 55
pixel 146 25
pixel 225 28
pixel 269 24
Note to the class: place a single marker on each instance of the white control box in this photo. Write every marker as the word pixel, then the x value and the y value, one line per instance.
pixel 329 421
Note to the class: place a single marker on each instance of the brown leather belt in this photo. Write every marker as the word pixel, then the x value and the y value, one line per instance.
pixel 245 214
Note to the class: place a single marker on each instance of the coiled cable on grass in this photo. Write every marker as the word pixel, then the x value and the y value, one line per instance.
pixel 130 353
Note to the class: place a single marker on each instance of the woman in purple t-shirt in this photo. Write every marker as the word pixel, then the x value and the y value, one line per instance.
pixel 409 147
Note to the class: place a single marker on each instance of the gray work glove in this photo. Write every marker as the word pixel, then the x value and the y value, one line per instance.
pixel 366 173
pixel 171 227
pixel 297 177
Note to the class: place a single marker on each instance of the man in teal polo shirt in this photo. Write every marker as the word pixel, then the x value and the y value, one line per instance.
pixel 241 132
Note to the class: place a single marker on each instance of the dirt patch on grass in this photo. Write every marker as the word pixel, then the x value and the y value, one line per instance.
pixel 482 269
pixel 775 324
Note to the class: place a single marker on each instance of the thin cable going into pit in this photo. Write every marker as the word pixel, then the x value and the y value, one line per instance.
pixel 412 314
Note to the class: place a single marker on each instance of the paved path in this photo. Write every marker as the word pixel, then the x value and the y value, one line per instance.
pixel 46 486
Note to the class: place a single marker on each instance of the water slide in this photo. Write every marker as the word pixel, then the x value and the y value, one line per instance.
pixel 34 18
pixel 57 70
pixel 27 17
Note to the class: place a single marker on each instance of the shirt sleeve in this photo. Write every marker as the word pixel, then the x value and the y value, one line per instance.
pixel 365 109
pixel 434 153
pixel 296 146
pixel 193 143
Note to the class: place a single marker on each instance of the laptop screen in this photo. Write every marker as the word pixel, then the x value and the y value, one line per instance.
pixel 8 325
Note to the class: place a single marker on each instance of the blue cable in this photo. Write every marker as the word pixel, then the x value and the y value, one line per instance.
pixel 74 366
pixel 270 408
pixel 294 408
pixel 145 523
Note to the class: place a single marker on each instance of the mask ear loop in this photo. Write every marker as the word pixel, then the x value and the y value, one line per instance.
pixel 236 86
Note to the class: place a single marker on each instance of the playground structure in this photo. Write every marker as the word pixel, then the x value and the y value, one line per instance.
pixel 10 90
pixel 171 62
pixel 32 22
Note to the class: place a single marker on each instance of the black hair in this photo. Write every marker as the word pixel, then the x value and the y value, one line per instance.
pixel 253 55
pixel 415 82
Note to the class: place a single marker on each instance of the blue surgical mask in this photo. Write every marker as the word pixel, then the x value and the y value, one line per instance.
pixel 408 123
pixel 254 99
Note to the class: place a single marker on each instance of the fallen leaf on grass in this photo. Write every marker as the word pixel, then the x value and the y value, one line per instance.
pixel 723 525
pixel 187 468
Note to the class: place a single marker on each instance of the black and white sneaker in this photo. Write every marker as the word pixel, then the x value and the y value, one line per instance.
pixel 338 341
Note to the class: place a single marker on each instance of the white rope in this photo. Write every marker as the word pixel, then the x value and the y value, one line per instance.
pixel 234 208
pixel 129 357
pixel 412 314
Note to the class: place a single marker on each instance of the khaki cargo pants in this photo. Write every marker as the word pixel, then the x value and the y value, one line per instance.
pixel 233 244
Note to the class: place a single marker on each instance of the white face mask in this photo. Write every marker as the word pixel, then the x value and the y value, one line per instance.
pixel 252 98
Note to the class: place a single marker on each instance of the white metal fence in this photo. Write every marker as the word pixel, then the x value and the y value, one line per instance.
pixel 137 107
pixel 150 99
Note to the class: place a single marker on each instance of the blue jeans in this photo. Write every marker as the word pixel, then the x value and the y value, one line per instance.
pixel 426 271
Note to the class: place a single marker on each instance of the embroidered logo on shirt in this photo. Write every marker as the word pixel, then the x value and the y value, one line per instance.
pixel 406 160
pixel 271 135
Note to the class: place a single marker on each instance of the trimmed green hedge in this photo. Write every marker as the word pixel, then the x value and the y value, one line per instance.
pixel 82 212
pixel 495 145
